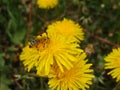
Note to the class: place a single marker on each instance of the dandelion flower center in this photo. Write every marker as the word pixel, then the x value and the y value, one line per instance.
pixel 66 75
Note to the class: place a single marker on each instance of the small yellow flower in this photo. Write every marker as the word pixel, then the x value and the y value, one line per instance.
pixel 46 4
pixel 78 77
pixel 46 50
pixel 113 63
pixel 67 28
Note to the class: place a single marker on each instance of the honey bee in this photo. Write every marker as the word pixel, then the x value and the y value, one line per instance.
pixel 37 41
pixel 34 42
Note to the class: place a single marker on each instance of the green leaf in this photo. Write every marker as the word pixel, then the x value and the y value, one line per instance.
pixel 19 36
pixel 2 62
pixel 4 82
pixel 4 87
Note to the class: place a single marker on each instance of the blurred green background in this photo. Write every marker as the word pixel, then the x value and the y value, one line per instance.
pixel 21 20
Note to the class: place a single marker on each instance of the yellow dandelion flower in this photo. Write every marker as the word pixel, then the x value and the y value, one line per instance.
pixel 47 49
pixel 113 63
pixel 67 28
pixel 46 4
pixel 78 77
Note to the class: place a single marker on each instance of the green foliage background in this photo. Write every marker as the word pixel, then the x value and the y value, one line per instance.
pixel 21 20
